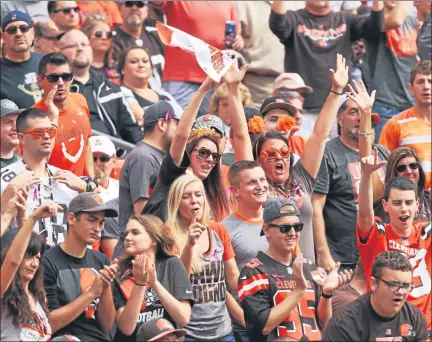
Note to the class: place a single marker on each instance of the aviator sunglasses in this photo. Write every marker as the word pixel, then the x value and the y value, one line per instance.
pixel 402 167
pixel 205 153
pixel 285 228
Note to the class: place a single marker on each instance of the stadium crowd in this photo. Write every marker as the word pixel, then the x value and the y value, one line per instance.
pixel 141 200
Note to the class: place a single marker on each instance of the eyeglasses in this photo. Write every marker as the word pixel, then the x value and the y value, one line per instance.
pixel 107 34
pixel 205 153
pixel 395 287
pixel 138 4
pixel 67 10
pixel 402 167
pixel 53 78
pixel 39 132
pixel 285 228
pixel 14 29
pixel 103 159
pixel 272 153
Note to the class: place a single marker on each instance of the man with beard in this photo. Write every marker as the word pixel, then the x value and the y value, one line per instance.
pixel 18 67
pixel 109 111
pixel 335 198
pixel 136 31
pixel 71 149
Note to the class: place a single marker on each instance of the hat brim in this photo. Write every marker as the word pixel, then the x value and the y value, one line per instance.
pixel 279 105
pixel 14 111
pixel 178 332
pixel 302 90
pixel 109 212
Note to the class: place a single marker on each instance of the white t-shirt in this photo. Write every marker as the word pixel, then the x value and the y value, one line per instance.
pixel 111 192
pixel 53 229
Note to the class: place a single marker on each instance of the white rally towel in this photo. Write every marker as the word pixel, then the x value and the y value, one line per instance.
pixel 214 62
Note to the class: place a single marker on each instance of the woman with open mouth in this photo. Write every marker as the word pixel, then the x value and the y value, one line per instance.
pixel 198 151
pixel 296 180
pixel 204 247
pixel 404 162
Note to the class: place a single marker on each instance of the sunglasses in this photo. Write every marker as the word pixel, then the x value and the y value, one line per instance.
pixel 130 4
pixel 67 10
pixel 39 133
pixel 53 78
pixel 272 153
pixel 403 167
pixel 103 159
pixel 285 228
pixel 14 29
pixel 205 153
pixel 107 34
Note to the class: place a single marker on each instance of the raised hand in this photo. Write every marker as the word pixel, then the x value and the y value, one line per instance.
pixel 140 267
pixel 371 163
pixel 47 209
pixel 340 76
pixel 299 278
pixel 53 111
pixel 152 280
pixel 71 180
pixel 335 280
pixel 209 84
pixel 360 96
pixel 195 231
pixel 234 75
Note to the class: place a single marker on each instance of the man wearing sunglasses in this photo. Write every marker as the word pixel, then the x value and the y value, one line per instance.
pixel 383 314
pixel 18 67
pixel 284 295
pixel 46 37
pixel 109 111
pixel 65 14
pixel 137 30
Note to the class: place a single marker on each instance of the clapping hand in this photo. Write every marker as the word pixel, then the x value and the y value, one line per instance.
pixel 108 273
pixel 360 96
pixel 371 163
pixel 298 276
pixel 340 76
pixel 335 280
pixel 140 269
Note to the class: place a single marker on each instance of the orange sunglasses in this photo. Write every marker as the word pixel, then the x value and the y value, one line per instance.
pixel 271 153
pixel 39 132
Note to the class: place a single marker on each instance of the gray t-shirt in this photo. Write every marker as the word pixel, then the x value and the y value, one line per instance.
pixel 141 163
pixel 425 40
pixel 391 57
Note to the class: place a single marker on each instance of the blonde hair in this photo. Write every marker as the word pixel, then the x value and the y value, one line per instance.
pixel 180 228
pixel 222 92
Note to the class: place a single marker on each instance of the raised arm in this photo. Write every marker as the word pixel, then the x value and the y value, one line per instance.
pixel 241 140
pixel 369 164
pixel 396 17
pixel 178 145
pixel 314 149
pixel 282 22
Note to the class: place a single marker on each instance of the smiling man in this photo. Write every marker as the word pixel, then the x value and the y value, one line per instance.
pixel 8 134
pixel 383 314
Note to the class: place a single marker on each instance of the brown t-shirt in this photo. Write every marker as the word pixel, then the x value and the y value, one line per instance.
pixel 343 296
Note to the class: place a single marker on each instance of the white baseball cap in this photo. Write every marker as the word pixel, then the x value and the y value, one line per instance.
pixel 103 145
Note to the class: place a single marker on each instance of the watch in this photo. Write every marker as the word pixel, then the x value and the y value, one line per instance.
pixel 326 296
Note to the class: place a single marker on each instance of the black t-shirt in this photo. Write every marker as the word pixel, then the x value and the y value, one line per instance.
pixel 358 321
pixel 19 81
pixel 172 275
pixel 143 102
pixel 312 40
pixel 169 172
pixel 339 179
pixel 65 279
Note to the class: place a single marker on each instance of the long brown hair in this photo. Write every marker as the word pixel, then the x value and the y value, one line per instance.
pixel 157 231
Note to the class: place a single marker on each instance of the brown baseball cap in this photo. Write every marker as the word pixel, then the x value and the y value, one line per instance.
pixel 291 81
pixel 47 29
pixel 89 202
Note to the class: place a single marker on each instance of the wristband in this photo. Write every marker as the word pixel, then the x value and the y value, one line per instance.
pixel 340 94
pixel 139 284
pixel 366 134
pixel 84 189
pixel 326 296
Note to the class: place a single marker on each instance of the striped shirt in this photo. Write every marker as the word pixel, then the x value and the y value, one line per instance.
pixel 409 130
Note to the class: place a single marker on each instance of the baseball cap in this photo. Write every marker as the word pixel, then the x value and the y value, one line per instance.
pixel 13 16
pixel 47 29
pixel 278 208
pixel 64 338
pixel 291 81
pixel 89 202
pixel 103 145
pixel 250 112
pixel 7 107
pixel 156 329
pixel 277 102
pixel 211 121
pixel 160 110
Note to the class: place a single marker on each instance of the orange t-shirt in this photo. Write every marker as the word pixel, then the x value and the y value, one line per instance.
pixel 297 144
pixel 417 249
pixel 73 132
pixel 108 9
pixel 202 19
pixel 408 129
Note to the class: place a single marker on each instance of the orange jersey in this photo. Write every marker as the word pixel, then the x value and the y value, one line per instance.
pixel 69 152
pixel 408 129
pixel 297 144
pixel 417 248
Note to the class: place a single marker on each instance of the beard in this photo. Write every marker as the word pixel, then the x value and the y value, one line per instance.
pixel 134 20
